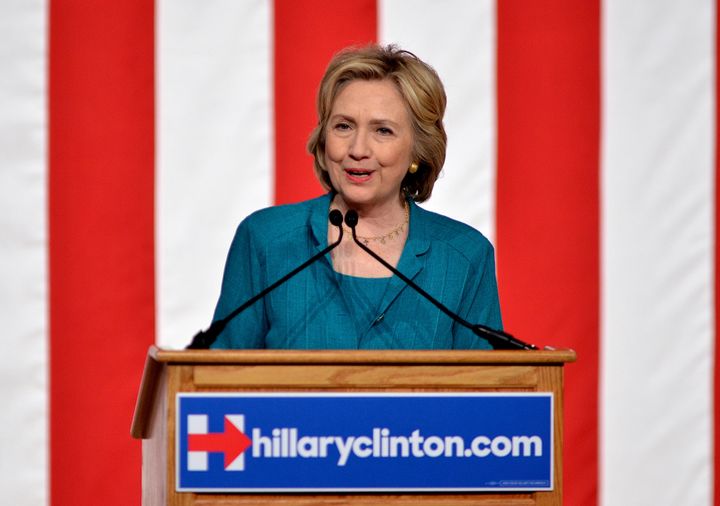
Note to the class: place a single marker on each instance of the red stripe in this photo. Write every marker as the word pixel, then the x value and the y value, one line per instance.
pixel 548 94
pixel 307 34
pixel 101 184
pixel 716 425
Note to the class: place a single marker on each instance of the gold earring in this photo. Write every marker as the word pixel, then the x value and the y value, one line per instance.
pixel 413 168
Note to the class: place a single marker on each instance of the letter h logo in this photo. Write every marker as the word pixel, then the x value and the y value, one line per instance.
pixel 232 442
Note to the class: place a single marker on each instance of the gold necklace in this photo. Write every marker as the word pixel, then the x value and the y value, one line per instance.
pixel 390 235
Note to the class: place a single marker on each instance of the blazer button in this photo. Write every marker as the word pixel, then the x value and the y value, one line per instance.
pixel 379 318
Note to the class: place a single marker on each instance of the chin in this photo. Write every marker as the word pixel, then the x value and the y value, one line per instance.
pixel 356 197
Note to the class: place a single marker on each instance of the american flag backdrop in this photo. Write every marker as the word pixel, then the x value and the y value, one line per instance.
pixel 135 135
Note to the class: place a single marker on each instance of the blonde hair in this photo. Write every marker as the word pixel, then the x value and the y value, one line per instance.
pixel 420 87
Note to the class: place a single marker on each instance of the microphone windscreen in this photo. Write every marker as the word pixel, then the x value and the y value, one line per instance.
pixel 351 218
pixel 336 217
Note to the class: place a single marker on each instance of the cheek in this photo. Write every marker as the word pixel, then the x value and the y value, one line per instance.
pixel 331 164
pixel 333 150
pixel 396 156
pixel 330 161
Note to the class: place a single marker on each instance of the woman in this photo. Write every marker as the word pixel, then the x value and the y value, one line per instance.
pixel 379 146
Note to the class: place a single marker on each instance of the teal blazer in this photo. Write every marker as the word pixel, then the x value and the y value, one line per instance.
pixel 448 259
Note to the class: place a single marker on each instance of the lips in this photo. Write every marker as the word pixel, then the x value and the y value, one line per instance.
pixel 358 175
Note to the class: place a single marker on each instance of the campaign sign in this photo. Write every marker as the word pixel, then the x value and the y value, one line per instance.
pixel 364 442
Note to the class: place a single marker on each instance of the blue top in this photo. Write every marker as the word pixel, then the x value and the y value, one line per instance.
pixel 448 259
pixel 364 296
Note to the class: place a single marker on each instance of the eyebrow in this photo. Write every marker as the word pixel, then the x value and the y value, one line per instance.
pixel 375 121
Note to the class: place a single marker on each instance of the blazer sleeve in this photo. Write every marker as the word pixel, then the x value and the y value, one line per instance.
pixel 243 278
pixel 480 302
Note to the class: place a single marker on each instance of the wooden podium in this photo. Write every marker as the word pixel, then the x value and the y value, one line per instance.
pixel 170 372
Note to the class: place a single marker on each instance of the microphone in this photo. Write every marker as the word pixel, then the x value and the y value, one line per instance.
pixel 205 338
pixel 498 339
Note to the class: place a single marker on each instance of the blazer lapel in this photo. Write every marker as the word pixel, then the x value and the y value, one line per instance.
pixel 318 222
pixel 412 260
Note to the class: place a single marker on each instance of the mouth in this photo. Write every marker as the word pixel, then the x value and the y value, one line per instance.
pixel 358 172
pixel 358 175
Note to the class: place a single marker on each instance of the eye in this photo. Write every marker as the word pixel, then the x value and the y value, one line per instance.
pixel 384 131
pixel 341 126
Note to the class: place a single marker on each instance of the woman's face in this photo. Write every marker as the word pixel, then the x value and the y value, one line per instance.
pixel 368 143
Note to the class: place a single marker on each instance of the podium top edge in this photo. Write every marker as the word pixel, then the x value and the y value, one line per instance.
pixel 557 356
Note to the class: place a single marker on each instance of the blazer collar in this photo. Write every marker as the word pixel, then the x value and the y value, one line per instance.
pixel 417 243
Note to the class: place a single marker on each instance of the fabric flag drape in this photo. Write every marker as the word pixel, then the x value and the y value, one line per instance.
pixel 582 142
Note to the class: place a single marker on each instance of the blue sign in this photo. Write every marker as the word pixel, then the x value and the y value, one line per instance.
pixel 364 442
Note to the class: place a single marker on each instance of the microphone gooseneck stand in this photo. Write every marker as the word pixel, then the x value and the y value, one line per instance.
pixel 498 339
pixel 205 338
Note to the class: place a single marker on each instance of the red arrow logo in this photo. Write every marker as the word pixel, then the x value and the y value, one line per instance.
pixel 233 442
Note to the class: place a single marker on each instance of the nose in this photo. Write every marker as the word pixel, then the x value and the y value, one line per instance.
pixel 359 147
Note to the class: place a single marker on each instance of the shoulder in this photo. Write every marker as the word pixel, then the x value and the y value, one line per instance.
pixel 455 236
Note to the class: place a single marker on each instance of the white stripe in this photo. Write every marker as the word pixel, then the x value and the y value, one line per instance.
pixel 458 40
pixel 657 255
pixel 215 148
pixel 239 463
pixel 23 289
